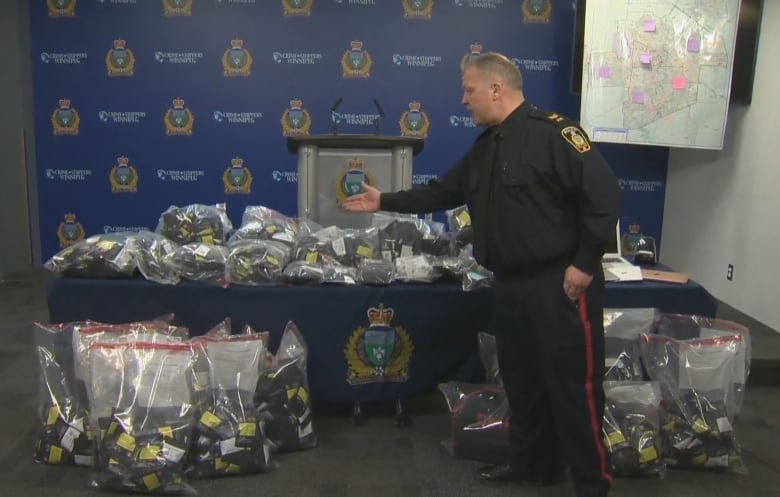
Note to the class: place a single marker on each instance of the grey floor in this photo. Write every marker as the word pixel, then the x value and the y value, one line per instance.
pixel 375 459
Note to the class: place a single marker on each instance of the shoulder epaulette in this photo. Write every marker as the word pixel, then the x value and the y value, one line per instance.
pixel 547 116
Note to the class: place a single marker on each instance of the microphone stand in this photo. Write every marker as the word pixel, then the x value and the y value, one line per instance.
pixel 378 119
pixel 333 117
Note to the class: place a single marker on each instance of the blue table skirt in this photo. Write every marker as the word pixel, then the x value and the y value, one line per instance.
pixel 430 337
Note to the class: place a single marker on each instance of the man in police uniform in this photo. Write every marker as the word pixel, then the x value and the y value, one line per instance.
pixel 543 204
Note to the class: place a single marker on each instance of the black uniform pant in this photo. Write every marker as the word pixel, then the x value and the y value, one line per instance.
pixel 551 358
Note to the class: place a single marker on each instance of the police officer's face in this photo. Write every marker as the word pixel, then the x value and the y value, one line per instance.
pixel 478 96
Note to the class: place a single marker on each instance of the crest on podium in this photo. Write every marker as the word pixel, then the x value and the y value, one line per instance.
pixel 351 179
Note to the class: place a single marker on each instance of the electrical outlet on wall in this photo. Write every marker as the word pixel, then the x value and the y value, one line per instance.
pixel 730 272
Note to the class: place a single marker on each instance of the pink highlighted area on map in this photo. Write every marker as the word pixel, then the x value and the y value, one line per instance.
pixel 679 83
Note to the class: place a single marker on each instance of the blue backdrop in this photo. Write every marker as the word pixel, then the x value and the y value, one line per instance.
pixel 140 105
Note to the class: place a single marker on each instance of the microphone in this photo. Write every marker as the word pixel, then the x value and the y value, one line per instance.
pixel 381 115
pixel 335 117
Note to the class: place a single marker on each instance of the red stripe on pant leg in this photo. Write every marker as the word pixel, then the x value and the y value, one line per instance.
pixel 594 419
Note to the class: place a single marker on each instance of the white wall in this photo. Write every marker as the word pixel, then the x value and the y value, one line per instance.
pixel 722 207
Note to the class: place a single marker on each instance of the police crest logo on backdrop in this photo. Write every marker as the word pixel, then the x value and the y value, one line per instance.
pixel 417 9
pixel 415 122
pixel 120 60
pixel 537 11
pixel 379 353
pixel 474 50
pixel 70 231
pixel 297 8
pixel 177 7
pixel 61 8
pixel 123 177
pixel 237 178
pixel 178 119
pixel 356 62
pixel 296 120
pixel 237 61
pixel 65 119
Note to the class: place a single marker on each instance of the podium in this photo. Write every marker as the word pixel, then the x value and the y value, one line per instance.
pixel 332 167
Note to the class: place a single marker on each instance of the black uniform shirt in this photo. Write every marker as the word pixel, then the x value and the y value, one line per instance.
pixel 551 197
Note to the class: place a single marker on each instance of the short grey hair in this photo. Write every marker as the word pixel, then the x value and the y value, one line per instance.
pixel 498 65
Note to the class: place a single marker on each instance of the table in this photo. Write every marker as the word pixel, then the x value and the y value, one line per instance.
pixel 673 298
pixel 365 343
